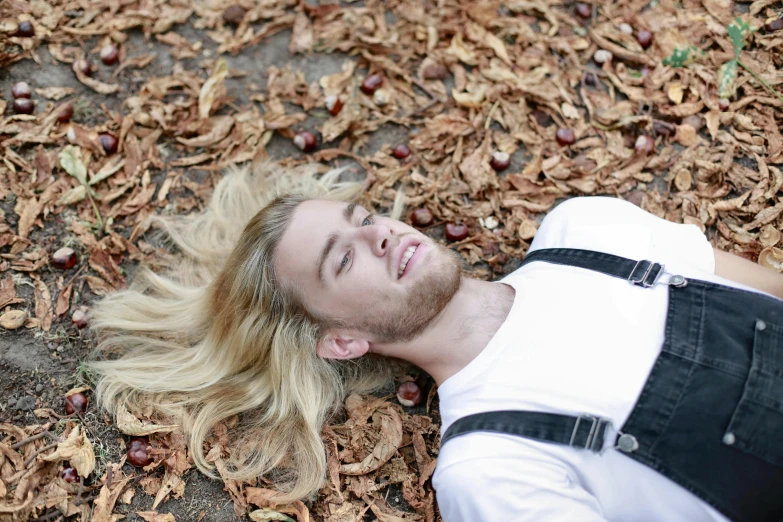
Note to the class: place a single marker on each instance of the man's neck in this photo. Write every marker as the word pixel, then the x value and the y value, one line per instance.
pixel 461 332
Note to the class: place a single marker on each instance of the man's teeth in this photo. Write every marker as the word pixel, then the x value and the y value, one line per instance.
pixel 405 258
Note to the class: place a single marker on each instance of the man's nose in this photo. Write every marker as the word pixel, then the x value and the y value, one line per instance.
pixel 382 239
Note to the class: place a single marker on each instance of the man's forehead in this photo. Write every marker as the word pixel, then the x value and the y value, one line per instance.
pixel 309 229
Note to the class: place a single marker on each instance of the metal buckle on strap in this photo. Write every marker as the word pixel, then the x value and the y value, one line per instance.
pixel 597 424
pixel 653 269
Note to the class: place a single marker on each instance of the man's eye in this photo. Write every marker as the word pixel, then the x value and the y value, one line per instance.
pixel 370 218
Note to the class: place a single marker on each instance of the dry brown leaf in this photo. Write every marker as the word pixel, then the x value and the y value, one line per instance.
pixel 13 319
pixel 77 450
pixel 128 424
pixel 153 516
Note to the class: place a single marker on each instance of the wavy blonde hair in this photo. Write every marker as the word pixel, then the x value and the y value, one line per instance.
pixel 219 334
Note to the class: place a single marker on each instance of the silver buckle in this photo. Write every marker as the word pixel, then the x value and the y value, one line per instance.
pixel 643 280
pixel 592 435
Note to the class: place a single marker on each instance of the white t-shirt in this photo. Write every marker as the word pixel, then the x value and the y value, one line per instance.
pixel 575 341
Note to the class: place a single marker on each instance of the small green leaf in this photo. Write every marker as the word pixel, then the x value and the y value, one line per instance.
pixel 678 57
pixel 738 30
pixel 726 76
pixel 71 162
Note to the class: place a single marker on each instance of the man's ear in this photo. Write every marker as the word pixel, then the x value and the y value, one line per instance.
pixel 337 345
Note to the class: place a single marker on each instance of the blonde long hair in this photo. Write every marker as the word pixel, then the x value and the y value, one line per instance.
pixel 219 335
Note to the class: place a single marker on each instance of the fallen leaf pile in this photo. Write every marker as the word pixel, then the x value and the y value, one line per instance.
pixel 685 124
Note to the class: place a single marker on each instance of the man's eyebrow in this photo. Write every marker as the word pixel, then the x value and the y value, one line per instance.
pixel 348 215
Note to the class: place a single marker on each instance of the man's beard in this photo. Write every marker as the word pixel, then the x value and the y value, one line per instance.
pixel 426 299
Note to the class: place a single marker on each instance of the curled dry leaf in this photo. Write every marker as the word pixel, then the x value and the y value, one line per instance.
pixel 128 424
pixel 218 128
pixel 391 438
pixel 769 236
pixel 153 516
pixel 96 85
pixel 77 450
pixel 13 319
pixel 266 514
pixel 213 88
pixel 772 257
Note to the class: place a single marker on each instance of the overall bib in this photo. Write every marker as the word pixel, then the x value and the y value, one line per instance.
pixel 710 415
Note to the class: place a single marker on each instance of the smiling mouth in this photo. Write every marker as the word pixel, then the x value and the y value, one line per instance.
pixel 406 257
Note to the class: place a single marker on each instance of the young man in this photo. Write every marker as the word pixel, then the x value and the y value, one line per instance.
pixel 660 385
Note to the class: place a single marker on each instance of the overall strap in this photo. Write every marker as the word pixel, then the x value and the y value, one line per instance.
pixel 585 431
pixel 642 273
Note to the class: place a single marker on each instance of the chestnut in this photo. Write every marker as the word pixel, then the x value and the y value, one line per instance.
pixel 23 106
pixel 644 38
pixel 774 25
pixel 401 151
pixel 371 83
pixel 64 112
pixel 25 29
pixel 500 160
pixel 234 14
pixel 83 65
pixel 64 258
pixel 76 402
pixel 584 10
pixel 69 474
pixel 456 231
pixel 434 71
pixel 79 317
pixel 333 104
pixel 305 140
pixel 644 145
pixel 422 217
pixel 110 54
pixel 21 90
pixel 565 137
pixel 139 452
pixel 108 142
pixel 723 104
pixel 409 394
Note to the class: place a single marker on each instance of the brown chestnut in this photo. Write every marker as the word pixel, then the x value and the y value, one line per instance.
pixel 21 90
pixel 401 151
pixel 565 137
pixel 371 83
pixel 76 402
pixel 409 394
pixel 584 11
pixel 422 217
pixel 333 104
pixel 644 38
pixel 234 14
pixel 79 317
pixel 23 106
pixel 64 112
pixel 139 452
pixel 64 258
pixel 108 142
pixel 83 65
pixel 644 145
pixel 305 140
pixel 500 160
pixel 456 231
pixel 25 29
pixel 110 54
pixel 69 474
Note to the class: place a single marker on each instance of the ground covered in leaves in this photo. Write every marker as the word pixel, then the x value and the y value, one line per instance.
pixel 506 108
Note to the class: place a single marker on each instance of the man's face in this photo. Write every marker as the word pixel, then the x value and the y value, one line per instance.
pixel 360 280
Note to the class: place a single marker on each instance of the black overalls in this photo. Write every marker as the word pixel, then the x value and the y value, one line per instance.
pixel 710 416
